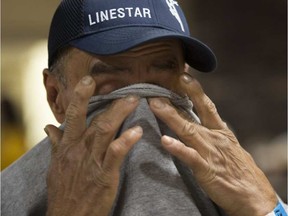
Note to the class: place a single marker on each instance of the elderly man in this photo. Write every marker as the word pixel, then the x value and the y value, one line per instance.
pixel 129 143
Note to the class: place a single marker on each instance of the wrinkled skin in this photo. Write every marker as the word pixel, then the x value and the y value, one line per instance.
pixel 226 172
pixel 85 163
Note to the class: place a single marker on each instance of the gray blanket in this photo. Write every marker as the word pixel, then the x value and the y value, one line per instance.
pixel 152 181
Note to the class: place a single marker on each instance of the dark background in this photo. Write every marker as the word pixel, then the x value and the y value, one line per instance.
pixel 249 40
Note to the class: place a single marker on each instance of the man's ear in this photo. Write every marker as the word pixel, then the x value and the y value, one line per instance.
pixel 52 87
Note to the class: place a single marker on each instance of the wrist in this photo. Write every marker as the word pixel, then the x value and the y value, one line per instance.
pixel 266 207
pixel 252 207
pixel 279 210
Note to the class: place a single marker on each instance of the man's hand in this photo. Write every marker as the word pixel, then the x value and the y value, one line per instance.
pixel 222 167
pixel 84 172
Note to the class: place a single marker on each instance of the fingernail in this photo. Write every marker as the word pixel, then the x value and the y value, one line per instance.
pixel 138 129
pixel 186 78
pixel 132 98
pixel 46 131
pixel 157 103
pixel 87 80
pixel 166 140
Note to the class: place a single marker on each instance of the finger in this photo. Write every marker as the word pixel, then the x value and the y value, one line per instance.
pixel 205 108
pixel 77 109
pixel 188 131
pixel 105 126
pixel 187 155
pixel 55 135
pixel 120 147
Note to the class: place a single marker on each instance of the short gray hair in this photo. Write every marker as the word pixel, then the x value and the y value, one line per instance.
pixel 58 65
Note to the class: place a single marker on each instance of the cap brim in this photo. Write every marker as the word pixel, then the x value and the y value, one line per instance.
pixel 117 40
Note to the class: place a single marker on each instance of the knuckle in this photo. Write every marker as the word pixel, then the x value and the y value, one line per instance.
pixel 208 177
pixel 102 126
pixel 89 136
pixel 76 102
pixel 118 148
pixel 99 177
pixel 225 125
pixel 123 106
pixel 210 105
pixel 78 94
pixel 77 98
pixel 230 137
pixel 169 112
pixel 189 129
pixel 74 111
pixel 172 110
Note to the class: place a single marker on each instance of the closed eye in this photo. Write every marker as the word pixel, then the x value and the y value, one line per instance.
pixel 103 68
pixel 166 65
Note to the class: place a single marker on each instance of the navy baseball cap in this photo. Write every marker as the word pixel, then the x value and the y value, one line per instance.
pixel 107 27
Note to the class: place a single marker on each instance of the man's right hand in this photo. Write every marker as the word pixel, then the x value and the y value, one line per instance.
pixel 85 164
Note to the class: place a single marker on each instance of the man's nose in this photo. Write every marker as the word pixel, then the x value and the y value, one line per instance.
pixel 141 73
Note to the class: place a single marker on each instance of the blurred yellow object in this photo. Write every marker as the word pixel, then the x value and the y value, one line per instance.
pixel 12 144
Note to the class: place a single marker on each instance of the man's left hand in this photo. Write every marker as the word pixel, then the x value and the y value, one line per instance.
pixel 226 172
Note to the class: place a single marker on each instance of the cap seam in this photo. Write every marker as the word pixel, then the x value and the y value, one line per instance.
pixel 156 15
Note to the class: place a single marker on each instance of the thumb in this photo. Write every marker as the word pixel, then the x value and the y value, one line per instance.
pixel 54 134
pixel 191 86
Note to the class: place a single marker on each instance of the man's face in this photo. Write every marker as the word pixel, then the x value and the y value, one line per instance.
pixel 157 63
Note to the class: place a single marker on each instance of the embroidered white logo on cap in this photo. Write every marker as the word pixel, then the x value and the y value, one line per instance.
pixel 118 13
pixel 174 12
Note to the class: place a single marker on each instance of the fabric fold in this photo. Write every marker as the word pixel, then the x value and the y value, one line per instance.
pixel 150 182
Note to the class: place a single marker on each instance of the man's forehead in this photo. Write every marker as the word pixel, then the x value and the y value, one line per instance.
pixel 160 46
pixel 143 49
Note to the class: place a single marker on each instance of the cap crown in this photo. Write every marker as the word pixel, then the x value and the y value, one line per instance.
pixel 77 18
pixel 107 27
